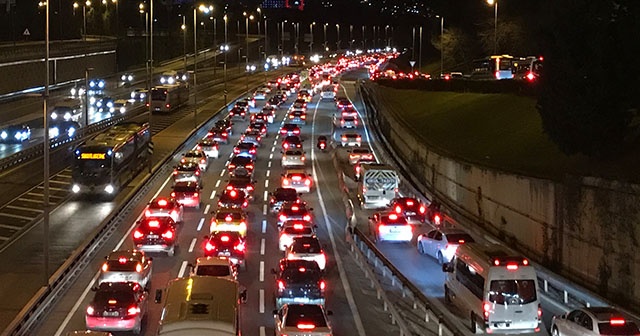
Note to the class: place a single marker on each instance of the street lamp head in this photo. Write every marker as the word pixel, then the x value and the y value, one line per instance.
pixel 259 10
pixel 183 27
pixel 104 2
pixel 87 3
pixel 140 7
pixel 244 13
pixel 225 18
pixel 204 9
pixel 251 17
pixel 491 2
pixel 42 4
pixel 76 5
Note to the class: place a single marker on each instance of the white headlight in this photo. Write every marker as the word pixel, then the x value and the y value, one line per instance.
pixel 54 115
pixel 109 189
pixel 75 188
pixel 4 135
pixel 18 135
pixel 54 132
pixel 73 91
pixel 101 84
pixel 130 78
pixel 123 77
pixel 67 116
pixel 163 80
pixel 123 110
pixel 71 132
pixel 171 80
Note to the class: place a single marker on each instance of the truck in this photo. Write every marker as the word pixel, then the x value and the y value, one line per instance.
pixel 200 305
pixel 377 186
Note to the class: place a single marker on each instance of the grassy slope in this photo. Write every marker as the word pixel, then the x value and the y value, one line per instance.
pixel 496 130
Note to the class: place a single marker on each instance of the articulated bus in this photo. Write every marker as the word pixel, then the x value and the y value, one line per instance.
pixel 109 160
pixel 166 98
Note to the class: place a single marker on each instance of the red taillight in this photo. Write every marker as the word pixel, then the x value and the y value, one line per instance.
pixel 296 131
pixel 531 76
pixel 323 285
pixel 137 234
pixel 105 267
pixel 512 267
pixel 197 172
pixel 138 268
pixel 437 219
pixel 249 166
pixel 203 161
pixel 285 182
pixel 307 182
pixel 540 312
pixel 173 194
pixel 147 213
pixel 617 321
pixel 283 131
pixel 225 238
pixel 168 235
pixel 306 218
pixel 486 307
pixel 249 188
pixel 209 247
pixel 195 194
pixel 174 213
pixel 168 105
pixel 231 166
pixel 344 138
pixel 422 209
pixel 252 151
pixel 283 218
pixel 398 209
pixel 90 309
pixel 175 172
pixel 239 247
pixel 133 310
pixel 153 223
pixel 281 285
pixel 147 104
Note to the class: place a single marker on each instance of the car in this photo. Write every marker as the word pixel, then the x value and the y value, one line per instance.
pixel 304 94
pixel 238 111
pixel 347 122
pixel 350 139
pixel 281 195
pixel 362 153
pixel 242 183
pixel 88 333
pixel 97 84
pixel 250 102
pixel 220 267
pixel 349 111
pixel 297 179
pixel 196 156
pixel 187 172
pixel 275 100
pixel 246 149
pixel 358 166
pixel 241 166
pixel 105 104
pixel 225 125
pixel 411 208
pixel 139 94
pixel 126 266
pixel 283 93
pixel 302 319
pixel 442 243
pixel 218 135
pixel 307 248
pixel 328 92
pixel 243 104
pixel 209 147
pixel 187 194
pixel 260 116
pixel 62 129
pixel 299 105
pixel 260 95
pixel 592 321
pixel 117 306
pixel 293 229
pixel 165 207
pixel 15 134
pixel 156 234
pixel 297 210
pixel 234 199
pixel 270 112
pixel 120 106
pixel 390 226
pixel 288 129
pixel 230 245
pixel 273 84
pixel 265 88
pixel 299 281
pixel 258 126
pixel 293 158
pixel 229 219
pixel 297 117
pixel 291 142
pixel 253 137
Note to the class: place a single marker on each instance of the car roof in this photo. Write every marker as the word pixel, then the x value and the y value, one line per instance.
pixel 206 261
pixel 129 254
pixel 186 184
pixel 295 171
pixel 293 152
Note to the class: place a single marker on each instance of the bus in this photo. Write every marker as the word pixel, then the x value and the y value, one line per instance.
pixel 201 305
pixel 496 290
pixel 166 98
pixel 496 67
pixel 109 160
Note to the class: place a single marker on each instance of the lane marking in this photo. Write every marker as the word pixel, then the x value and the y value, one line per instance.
pixel 264 226
pixel 262 301
pixel 200 224
pixel 262 246
pixel 266 195
pixel 273 149
pixel 227 163
pixel 213 195
pixel 262 270
pixel 268 172
pixel 263 331
pixel 193 244
pixel 341 271
pixel 364 127
pixel 266 183
pixel 264 209
pixel 206 209
pixel 222 172
pixel 218 183
pixel 271 156
pixel 269 164
pixel 183 268
pixel 275 142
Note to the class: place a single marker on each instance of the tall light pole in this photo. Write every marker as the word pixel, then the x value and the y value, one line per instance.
pixel 206 10
pixel 184 41
pixel 266 39
pixel 247 18
pixel 494 3
pixel 224 49
pixel 413 44
pixel 282 37
pixel 45 201
pixel 420 57
pixel 84 16
pixel 311 43
pixel 324 45
pixel 441 44
pixel 364 39
pixel 350 36
pixel 338 36
pixel 215 44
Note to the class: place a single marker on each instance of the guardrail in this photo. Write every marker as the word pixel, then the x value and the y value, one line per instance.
pixel 563 291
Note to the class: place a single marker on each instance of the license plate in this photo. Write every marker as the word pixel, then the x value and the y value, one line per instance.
pixel 153 236
pixel 298 299
pixel 110 314
pixel 224 254
pixel 410 213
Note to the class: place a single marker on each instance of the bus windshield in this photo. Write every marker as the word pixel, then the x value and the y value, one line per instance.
pixel 158 94
pixel 512 292
pixel 92 165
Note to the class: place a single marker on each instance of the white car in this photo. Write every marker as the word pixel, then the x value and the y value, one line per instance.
pixel 220 267
pixel 120 106
pixel 165 207
pixel 127 266
pixel 209 147
pixel 593 321
pixel 196 156
pixel 442 243
pixel 260 95
pixel 294 229
pixel 328 93
pixel 307 248
pixel 302 320
pixel 350 140
pixel 293 158
pixel 297 179
pixel 390 227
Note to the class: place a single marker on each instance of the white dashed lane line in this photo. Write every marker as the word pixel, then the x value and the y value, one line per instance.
pixel 193 245
pixel 264 225
pixel 262 301
pixel 269 164
pixel 200 224
pixel 261 271
pixel 268 173
pixel 262 246
pixel 266 195
pixel 213 195
pixel 183 268
pixel 266 184
pixel 206 209
pixel 218 183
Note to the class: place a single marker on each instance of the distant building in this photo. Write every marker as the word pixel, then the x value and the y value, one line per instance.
pixel 273 4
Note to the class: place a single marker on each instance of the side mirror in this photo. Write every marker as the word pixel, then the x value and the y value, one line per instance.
pixel 273 271
pixel 158 297
pixel 243 296
pixel 310 209
pixel 106 257
pixel 329 313
pixel 447 267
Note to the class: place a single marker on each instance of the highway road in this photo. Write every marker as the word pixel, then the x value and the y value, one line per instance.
pixel 356 311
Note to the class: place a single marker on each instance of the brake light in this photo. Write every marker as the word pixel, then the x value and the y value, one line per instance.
pixel 243 226
pixel 174 213
pixel 291 255
pixel 298 226
pixel 162 202
pixel 283 131
pixel 236 150
pixel 231 166
pixel 283 218
pixel 436 219
pixel 175 172
pixel 323 285
pixel 197 172
pixel 209 247
pixel 540 312
pixel 531 76
pixel 249 187
pixel 398 209
pixel 154 223
pixel 252 151
pixel 133 310
pixel 281 285
pixel 422 209
pixel 344 138
pixel 138 268
pixel 512 267
pixel 203 161
pixel 137 234
pixel 173 194
pixel 90 309
pixel 617 321
pixel 224 238
pixel 168 235
pixel 105 267
pixel 195 194
pixel 123 260
pixel 307 218
pixel 393 216
pixel 228 218
pixel 250 166
pixel 112 302
pixel 239 247
pixel 168 105
pixel 305 326
pixel 486 307
pixel 285 182
pixel 233 193
pixel 296 131
pixel 380 227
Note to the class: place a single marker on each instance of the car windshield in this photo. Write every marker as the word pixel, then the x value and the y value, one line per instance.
pixel 298 153
pixel 305 314
pixel 306 245
pixel 127 266
pixel 628 328
pixel 512 292
pixel 213 270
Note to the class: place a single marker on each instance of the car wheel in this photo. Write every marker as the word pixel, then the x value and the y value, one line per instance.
pixel 472 323
pixel 172 252
pixel 198 206
pixel 137 329
pixel 440 258
pixel 447 295
pixel 420 247
pixel 555 331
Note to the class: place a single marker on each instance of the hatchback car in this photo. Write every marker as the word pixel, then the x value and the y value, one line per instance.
pixel 390 227
pixel 293 158
pixel 218 135
pixel 241 166
pixel 593 321
pixel 127 266
pixel 156 235
pixel 220 267
pixel 187 172
pixel 307 248
pixel 349 111
pixel 196 156
pixel 299 281
pixel 289 130
pixel 357 168
pixel 292 229
pixel 297 117
pixel 294 211
pixel 442 243
pixel 233 199
pixel 278 197
pixel 187 194
pixel 229 220
pixel 360 153
pixel 413 210
pixel 238 112
pixel 209 147
pixel 117 306
pixel 230 245
pixel 347 122
pixel 260 95
pixel 350 139
pixel 247 149
pixel 258 126
pixel 302 319
pixel 297 179
pixel 253 137
pixel 291 142
pixel 165 207
pixel 242 183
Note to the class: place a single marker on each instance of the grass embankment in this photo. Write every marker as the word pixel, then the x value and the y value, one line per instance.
pixel 497 130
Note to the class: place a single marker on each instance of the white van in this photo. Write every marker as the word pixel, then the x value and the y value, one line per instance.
pixel 496 290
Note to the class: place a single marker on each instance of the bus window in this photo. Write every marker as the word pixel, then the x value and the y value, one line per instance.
pixel 512 292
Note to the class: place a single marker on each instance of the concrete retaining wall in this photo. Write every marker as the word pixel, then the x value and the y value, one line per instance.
pixel 583 228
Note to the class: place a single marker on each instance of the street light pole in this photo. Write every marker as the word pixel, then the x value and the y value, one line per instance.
pixel 338 37
pixel 184 41
pixel 215 45
pixel 420 57
pixel 86 96
pixel 364 39
pixel 84 21
pixel 350 36
pixel 224 49
pixel 45 201
pixel 413 44
pixel 324 45
pixel 195 68
pixel 311 43
pixel 494 3
pixel 441 45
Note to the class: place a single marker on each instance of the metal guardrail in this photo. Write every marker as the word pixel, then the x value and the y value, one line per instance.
pixel 567 294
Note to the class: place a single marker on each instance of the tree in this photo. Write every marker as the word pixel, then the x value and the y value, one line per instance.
pixel 512 38
pixel 589 86
pixel 456 45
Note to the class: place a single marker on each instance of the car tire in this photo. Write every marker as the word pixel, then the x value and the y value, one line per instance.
pixel 447 295
pixel 420 247
pixel 171 252
pixel 199 205
pixel 440 258
pixel 473 327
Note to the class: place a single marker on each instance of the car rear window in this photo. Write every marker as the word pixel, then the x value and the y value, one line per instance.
pixel 213 270
pixel 303 231
pixel 305 314
pixel 360 150
pixel 512 292
pixel 300 274
pixel 629 328
pixel 290 152
pixel 223 216
pixel 116 266
pixel 241 160
pixel 193 154
pixel 302 245
pixel 187 168
pixel 459 237
pixel 185 188
pixel 122 297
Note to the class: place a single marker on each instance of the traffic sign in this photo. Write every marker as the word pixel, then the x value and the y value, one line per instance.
pixel 26 32
pixel 226 92
pixel 412 63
